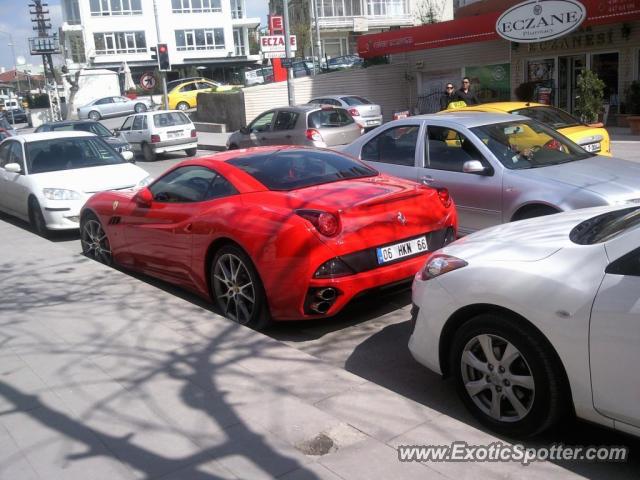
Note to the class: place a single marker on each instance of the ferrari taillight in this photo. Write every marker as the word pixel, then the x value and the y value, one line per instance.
pixel 445 198
pixel 328 224
pixel 313 135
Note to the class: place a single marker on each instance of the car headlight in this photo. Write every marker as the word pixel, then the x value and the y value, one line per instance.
pixel 125 148
pixel 60 194
pixel 146 181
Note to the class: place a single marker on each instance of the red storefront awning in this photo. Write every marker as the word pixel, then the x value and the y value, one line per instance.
pixel 479 28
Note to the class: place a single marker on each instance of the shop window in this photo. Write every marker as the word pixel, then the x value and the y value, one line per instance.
pixel 605 65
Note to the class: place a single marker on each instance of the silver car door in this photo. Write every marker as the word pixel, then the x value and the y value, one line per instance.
pixel 613 334
pixel 137 129
pixel 5 177
pixel 122 105
pixel 478 196
pixel 283 128
pixel 14 192
pixel 395 150
pixel 260 130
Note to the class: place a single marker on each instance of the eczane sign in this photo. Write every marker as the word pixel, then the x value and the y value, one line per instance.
pixel 275 43
pixel 536 21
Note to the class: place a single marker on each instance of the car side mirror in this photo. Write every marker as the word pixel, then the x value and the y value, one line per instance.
pixel 245 130
pixel 473 166
pixel 127 155
pixel 144 198
pixel 13 167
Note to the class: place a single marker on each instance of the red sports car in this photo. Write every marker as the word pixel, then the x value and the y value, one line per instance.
pixel 271 233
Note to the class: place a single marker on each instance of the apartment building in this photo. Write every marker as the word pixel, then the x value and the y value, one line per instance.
pixel 201 33
pixel 342 21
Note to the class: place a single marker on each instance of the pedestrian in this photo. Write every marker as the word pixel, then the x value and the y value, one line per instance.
pixel 448 96
pixel 465 94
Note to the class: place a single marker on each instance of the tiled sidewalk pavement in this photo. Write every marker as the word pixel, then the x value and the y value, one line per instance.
pixel 105 376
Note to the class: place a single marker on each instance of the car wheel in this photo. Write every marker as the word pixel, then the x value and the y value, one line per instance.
pixel 191 151
pixel 36 218
pixel 140 107
pixel 183 106
pixel 94 240
pixel 237 288
pixel 95 115
pixel 148 153
pixel 507 376
pixel 533 212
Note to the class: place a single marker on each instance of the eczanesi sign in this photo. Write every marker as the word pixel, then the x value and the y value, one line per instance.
pixel 540 20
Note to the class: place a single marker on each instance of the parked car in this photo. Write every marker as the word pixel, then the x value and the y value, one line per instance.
pixel 537 319
pixel 272 233
pixel 45 178
pixel 16 115
pixel 363 111
pixel 311 125
pixel 498 168
pixel 258 76
pixel 593 138
pixel 115 140
pixel 343 62
pixel 161 131
pixel 184 95
pixel 112 107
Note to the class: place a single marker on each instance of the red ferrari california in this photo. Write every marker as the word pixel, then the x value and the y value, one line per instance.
pixel 278 233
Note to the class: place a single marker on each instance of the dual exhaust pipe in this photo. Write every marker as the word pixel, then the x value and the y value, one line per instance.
pixel 324 300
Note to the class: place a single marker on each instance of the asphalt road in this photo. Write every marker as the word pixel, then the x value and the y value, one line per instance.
pixel 369 338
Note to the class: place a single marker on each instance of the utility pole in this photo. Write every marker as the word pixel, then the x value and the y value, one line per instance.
pixel 317 25
pixel 163 74
pixel 287 53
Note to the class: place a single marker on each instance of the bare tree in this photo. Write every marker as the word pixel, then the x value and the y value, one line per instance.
pixel 430 11
pixel 72 79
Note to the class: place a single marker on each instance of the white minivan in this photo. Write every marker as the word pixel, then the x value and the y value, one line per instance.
pixel 160 131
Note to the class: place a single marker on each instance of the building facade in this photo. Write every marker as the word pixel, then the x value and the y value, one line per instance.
pixel 341 21
pixel 199 33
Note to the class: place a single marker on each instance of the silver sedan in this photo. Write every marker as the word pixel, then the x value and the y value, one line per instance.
pixel 112 107
pixel 498 168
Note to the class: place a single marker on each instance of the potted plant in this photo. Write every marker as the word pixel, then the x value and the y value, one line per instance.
pixel 132 93
pixel 590 96
pixel 632 107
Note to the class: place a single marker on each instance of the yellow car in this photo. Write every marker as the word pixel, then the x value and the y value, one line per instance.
pixel 184 95
pixel 593 138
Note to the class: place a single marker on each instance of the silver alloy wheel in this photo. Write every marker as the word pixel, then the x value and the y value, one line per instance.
pixel 183 106
pixel 95 242
pixel 93 115
pixel 233 286
pixel 497 377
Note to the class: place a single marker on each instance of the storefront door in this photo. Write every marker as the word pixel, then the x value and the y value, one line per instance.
pixel 569 68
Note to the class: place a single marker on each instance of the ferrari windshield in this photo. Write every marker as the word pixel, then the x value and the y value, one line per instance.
pixel 293 169
pixel 522 145
pixel 69 153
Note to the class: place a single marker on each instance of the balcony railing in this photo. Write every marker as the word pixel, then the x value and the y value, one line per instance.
pixel 372 21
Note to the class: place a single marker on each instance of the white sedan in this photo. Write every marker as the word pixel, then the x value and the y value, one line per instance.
pixel 537 319
pixel 45 178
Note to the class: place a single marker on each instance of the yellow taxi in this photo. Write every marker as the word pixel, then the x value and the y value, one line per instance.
pixel 593 138
pixel 184 95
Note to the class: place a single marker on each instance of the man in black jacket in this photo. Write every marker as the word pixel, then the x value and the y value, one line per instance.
pixel 465 94
pixel 448 96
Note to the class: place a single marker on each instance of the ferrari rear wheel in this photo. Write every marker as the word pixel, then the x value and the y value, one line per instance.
pixel 94 240
pixel 237 289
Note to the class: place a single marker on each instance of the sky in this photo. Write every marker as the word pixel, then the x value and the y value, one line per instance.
pixel 16 20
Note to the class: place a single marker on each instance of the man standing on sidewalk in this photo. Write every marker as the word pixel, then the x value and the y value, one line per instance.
pixel 465 94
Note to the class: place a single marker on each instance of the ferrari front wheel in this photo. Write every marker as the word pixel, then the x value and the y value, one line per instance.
pixel 237 289
pixel 95 243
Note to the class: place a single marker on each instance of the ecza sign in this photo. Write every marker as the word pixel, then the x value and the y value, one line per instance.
pixel 540 20
pixel 275 43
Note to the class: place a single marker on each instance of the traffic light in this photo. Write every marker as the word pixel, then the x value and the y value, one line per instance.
pixel 163 57
pixel 154 53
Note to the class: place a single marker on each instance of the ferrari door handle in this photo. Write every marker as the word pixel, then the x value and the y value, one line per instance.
pixel 427 179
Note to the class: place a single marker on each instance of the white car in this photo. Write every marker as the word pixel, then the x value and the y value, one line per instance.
pixel 537 319
pixel 45 178
pixel 366 113
pixel 162 131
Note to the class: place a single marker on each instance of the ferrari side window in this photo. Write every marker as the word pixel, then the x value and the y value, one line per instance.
pixel 189 184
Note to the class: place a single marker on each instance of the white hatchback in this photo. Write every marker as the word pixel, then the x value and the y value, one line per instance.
pixel 45 178
pixel 537 319
pixel 160 131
